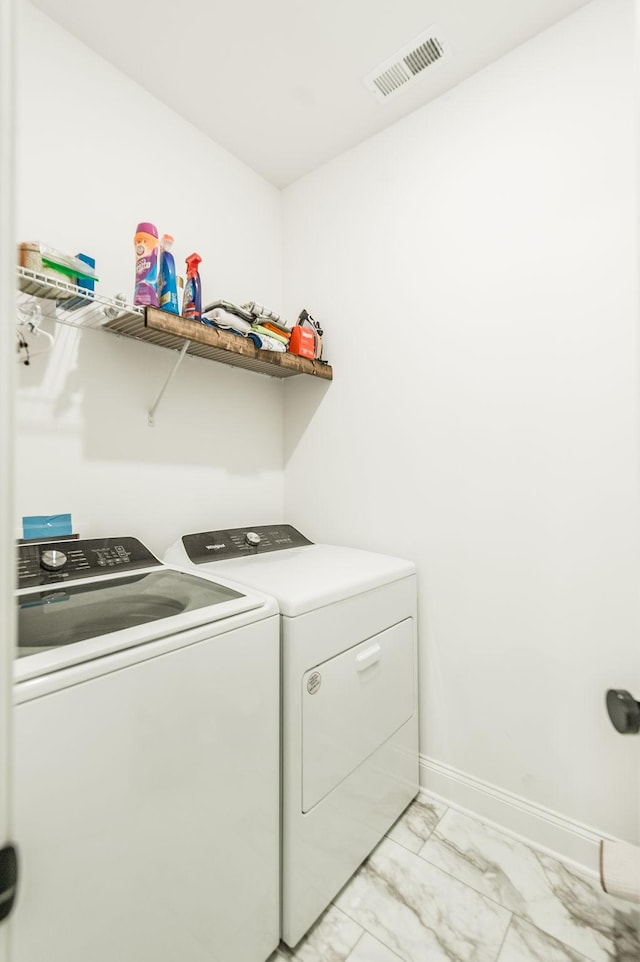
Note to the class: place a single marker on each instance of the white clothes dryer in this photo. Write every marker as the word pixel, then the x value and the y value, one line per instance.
pixel 146 760
pixel 349 698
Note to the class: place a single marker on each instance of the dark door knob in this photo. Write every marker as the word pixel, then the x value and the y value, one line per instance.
pixel 624 711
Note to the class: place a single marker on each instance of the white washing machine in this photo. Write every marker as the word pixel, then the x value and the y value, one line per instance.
pixel 349 698
pixel 146 760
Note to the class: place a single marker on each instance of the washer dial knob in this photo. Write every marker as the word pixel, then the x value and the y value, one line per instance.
pixel 52 559
pixel 252 538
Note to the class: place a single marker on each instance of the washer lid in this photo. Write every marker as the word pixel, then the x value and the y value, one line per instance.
pixel 68 623
pixel 303 579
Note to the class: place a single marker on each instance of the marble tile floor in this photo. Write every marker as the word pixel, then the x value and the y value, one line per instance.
pixel 444 887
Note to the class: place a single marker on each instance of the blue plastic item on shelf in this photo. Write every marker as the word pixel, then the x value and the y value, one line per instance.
pixel 168 284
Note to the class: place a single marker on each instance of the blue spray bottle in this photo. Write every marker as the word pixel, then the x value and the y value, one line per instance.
pixel 192 300
pixel 168 284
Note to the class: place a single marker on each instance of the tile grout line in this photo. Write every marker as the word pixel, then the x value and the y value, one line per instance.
pixel 504 938
pixel 456 879
pixel 493 901
pixel 375 939
pixel 291 955
pixel 489 899
pixel 554 938
pixel 424 841
pixel 364 929
pixel 360 937
pixel 459 881
pixel 570 948
pixel 512 912
pixel 481 895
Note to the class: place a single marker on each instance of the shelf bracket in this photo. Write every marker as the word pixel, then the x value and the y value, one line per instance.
pixel 166 384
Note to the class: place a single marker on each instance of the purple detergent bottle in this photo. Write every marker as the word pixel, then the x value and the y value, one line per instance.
pixel 146 244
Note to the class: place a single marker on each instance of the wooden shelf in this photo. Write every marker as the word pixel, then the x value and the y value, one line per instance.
pixel 171 331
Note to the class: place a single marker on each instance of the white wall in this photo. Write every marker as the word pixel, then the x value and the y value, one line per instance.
pixel 473 266
pixel 96 155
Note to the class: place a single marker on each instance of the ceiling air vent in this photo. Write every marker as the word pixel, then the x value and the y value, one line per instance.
pixel 405 65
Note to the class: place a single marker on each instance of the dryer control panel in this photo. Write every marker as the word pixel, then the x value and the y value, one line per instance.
pixel 40 563
pixel 239 542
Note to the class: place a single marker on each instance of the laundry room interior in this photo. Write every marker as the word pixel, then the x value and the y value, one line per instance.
pixel 470 252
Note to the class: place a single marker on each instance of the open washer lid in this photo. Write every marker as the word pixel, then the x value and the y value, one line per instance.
pixel 300 575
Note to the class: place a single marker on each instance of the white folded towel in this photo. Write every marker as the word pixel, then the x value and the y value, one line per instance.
pixel 270 344
pixel 227 319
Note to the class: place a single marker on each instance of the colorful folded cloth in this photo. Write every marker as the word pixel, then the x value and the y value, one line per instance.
pixel 259 329
pixel 275 329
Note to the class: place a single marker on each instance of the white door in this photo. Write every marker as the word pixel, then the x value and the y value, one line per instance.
pixel 620 861
pixel 7 366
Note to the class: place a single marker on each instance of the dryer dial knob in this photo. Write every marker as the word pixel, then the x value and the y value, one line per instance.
pixel 52 560
pixel 252 538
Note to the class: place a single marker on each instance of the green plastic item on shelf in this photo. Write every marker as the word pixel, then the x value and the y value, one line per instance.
pixel 67 271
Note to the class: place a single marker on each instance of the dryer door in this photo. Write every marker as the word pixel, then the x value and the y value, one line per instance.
pixel 351 704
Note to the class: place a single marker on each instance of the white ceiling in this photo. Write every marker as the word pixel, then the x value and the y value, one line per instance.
pixel 279 82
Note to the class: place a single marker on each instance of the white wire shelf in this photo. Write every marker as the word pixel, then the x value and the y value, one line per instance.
pixel 73 306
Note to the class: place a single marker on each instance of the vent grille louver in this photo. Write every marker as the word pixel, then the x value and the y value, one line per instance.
pixel 424 55
pixel 407 64
pixel 391 79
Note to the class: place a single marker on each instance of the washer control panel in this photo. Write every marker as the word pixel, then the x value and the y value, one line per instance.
pixel 241 542
pixel 40 563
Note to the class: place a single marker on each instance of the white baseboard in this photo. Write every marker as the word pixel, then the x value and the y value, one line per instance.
pixel 539 827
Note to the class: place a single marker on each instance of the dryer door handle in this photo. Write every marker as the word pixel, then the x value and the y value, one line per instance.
pixel 367 658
